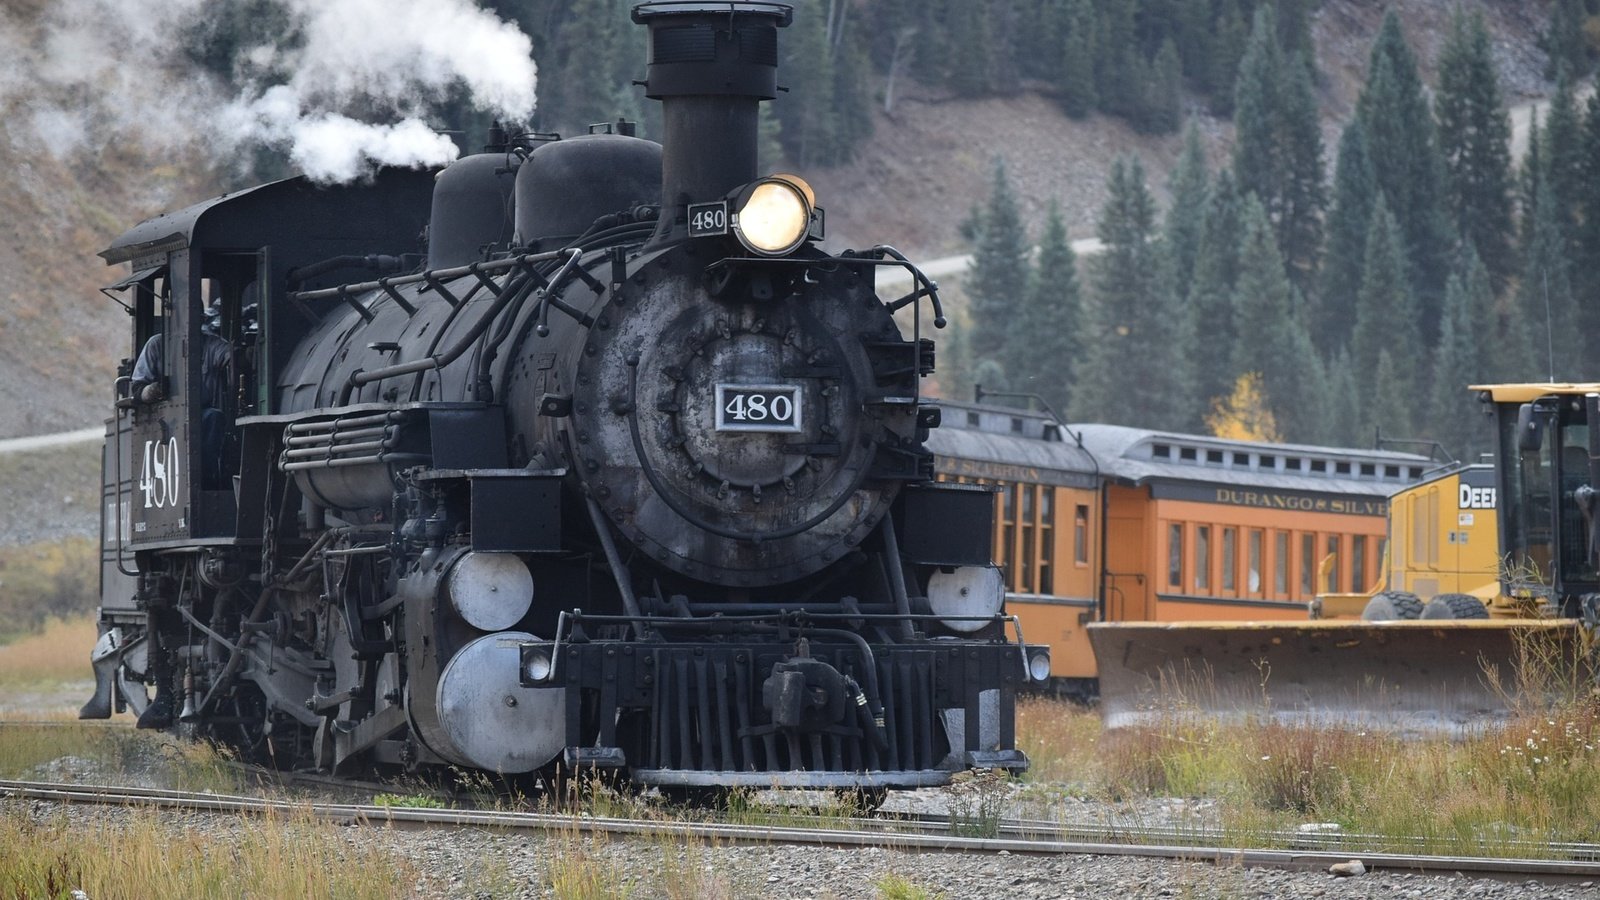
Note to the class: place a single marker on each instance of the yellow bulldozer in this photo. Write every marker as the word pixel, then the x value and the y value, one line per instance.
pixel 1488 570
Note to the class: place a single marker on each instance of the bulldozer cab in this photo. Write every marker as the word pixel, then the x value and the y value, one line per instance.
pixel 1547 435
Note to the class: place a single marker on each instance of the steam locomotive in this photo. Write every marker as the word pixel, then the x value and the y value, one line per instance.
pixel 621 472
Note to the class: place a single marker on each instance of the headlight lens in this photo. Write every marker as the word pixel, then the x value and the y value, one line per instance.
pixel 537 665
pixel 775 217
pixel 1039 664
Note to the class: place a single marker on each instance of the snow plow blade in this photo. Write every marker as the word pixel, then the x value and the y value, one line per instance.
pixel 1422 678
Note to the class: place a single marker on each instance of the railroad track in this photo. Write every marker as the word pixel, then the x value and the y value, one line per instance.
pixel 913 834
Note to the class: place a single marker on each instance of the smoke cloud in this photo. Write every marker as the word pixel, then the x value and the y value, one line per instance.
pixel 341 85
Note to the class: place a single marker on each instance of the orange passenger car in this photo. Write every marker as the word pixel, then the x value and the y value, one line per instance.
pixel 1108 523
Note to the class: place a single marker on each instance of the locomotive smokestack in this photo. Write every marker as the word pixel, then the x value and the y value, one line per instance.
pixel 711 65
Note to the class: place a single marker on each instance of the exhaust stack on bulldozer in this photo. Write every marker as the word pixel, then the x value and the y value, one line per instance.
pixel 1506 624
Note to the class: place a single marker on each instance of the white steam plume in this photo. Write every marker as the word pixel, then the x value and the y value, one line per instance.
pixel 103 69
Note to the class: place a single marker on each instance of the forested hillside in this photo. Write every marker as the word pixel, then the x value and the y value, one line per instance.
pixel 1299 190
pixel 1271 301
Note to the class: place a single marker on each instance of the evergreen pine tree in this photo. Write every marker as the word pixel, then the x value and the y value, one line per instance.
pixel 1118 73
pixel 1189 187
pixel 1475 142
pixel 1257 157
pixel 1227 48
pixel 1193 34
pixel 807 111
pixel 1545 294
pixel 1079 60
pixel 1386 312
pixel 1305 417
pixel 1038 48
pixel 1390 413
pixel 852 114
pixel 1303 198
pixel 1163 97
pixel 1458 360
pixel 999 272
pixel 1278 151
pixel 587 94
pixel 769 140
pixel 1355 191
pixel 967 68
pixel 1564 42
pixel 1346 405
pixel 1532 175
pixel 1563 160
pixel 1294 33
pixel 1216 271
pixel 1043 344
pixel 1133 369
pixel 1078 97
pixel 1262 314
pixel 1398 127
pixel 1586 261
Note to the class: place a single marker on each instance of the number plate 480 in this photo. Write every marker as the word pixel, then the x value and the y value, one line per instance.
pixel 759 407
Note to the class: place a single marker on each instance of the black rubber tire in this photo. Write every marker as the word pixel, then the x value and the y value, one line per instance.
pixel 1390 606
pixel 1455 606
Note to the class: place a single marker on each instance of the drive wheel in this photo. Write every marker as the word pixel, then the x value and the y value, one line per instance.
pixel 1390 606
pixel 1455 606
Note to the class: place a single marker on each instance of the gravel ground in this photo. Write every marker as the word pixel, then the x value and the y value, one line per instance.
pixel 475 863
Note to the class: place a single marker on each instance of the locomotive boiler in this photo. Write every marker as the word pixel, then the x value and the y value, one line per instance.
pixel 619 470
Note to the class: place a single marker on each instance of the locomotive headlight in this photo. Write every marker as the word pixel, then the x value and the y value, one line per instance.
pixel 775 215
pixel 1039 663
pixel 537 664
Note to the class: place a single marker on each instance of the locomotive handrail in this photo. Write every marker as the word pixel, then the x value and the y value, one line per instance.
pixel 928 287
pixel 431 275
pixel 516 287
pixel 116 474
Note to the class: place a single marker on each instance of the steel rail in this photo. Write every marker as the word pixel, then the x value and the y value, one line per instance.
pixel 344 813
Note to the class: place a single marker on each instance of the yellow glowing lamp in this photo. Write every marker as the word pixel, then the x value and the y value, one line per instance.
pixel 775 215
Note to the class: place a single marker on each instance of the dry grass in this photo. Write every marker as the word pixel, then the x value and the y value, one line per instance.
pixel 280 856
pixel 1531 779
pixel 58 655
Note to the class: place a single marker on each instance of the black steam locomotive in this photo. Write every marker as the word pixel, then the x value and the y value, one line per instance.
pixel 624 472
